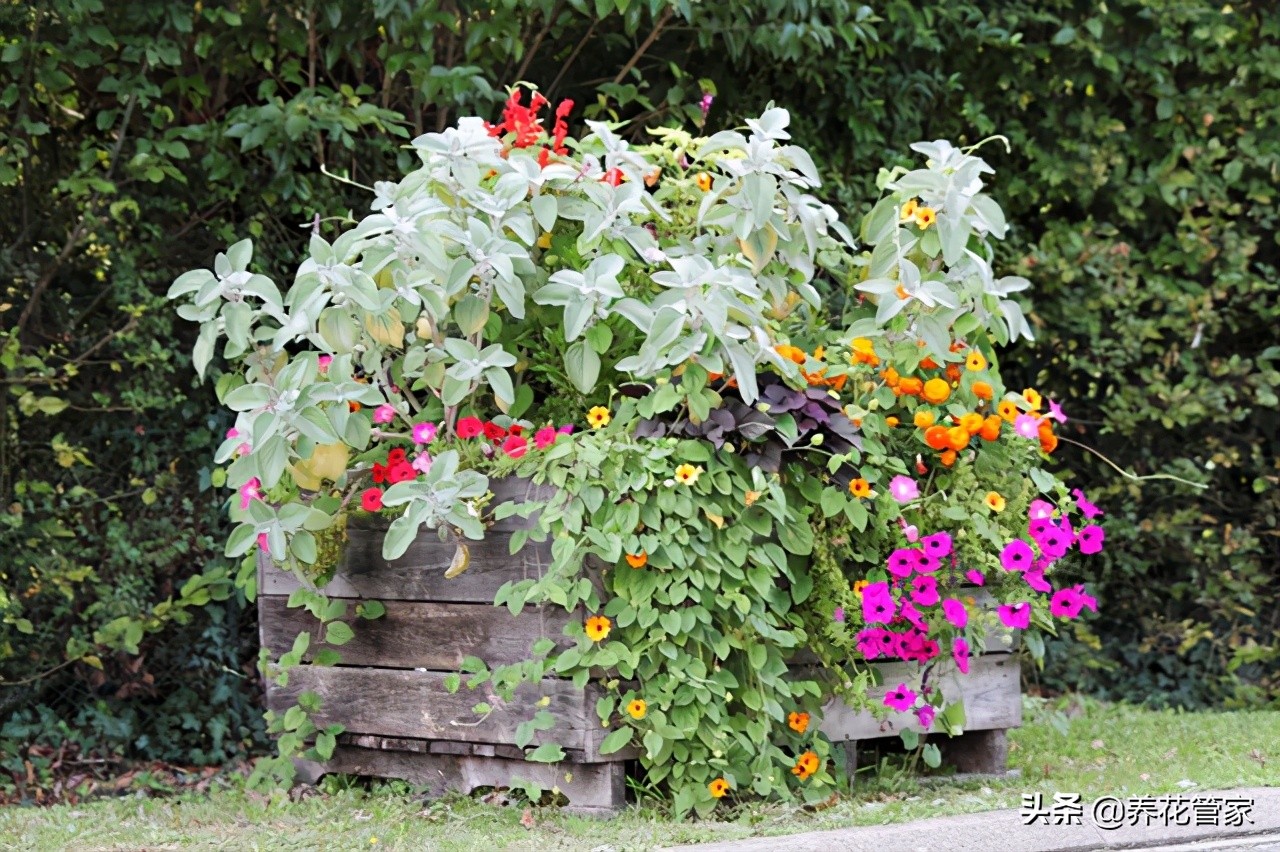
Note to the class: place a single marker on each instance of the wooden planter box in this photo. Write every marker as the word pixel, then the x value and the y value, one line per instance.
pixel 388 692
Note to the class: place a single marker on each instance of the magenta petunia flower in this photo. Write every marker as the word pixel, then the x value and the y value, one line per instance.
pixel 566 429
pixel 384 414
pixel 877 604
pixel 515 446
pixel 424 433
pixel 1055 412
pixel 911 614
pixel 1035 579
pixel 1026 425
pixel 1016 556
pixel 1053 544
pixel 927 564
pixel 1091 538
pixel 324 361
pixel 838 615
pixel 924 591
pixel 545 437
pixel 250 491
pixel 955 612
pixel 1037 527
pixel 973 575
pixel 262 542
pixel 960 653
pixel 1087 509
pixel 1016 616
pixel 1087 601
pixel 869 644
pixel 903 561
pixel 1065 603
pixel 900 698
pixel 925 715
pixel 903 488
pixel 937 545
pixel 1040 509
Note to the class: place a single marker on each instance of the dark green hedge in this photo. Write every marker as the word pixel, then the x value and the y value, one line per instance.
pixel 136 139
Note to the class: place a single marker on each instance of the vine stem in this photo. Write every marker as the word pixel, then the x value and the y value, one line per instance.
pixel 1127 475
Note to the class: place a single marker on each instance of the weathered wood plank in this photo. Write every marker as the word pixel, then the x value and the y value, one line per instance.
pixel 419 574
pixel 591 788
pixel 478 749
pixel 414 634
pixel 415 704
pixel 991 692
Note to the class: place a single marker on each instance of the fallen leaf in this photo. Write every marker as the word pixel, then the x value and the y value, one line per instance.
pixel 526 818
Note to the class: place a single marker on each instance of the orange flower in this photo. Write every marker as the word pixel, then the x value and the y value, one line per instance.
pixel 638 560
pixel 890 377
pixel 911 386
pixel 994 501
pixel 798 722
pixel 806 765
pixel 792 353
pixel 1007 411
pixel 928 364
pixel 982 390
pixel 860 488
pixel 353 407
pixel 891 421
pixel 991 427
pixel 936 437
pixel 925 216
pixel 704 181
pixel 975 361
pixel 953 372
pixel 863 352
pixel 1050 443
pixel 652 177
pixel 971 423
pixel 1032 397
pixel 923 419
pixel 957 438
pixel 859 585
pixel 936 391
pixel 948 458
pixel 718 788
pixel 597 627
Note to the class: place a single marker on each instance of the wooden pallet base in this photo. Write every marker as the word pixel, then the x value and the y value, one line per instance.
pixel 972 753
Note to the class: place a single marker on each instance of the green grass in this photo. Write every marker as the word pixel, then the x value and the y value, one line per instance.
pixel 1117 750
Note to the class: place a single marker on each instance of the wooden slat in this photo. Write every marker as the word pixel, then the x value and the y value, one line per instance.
pixel 415 634
pixel 992 693
pixel 414 704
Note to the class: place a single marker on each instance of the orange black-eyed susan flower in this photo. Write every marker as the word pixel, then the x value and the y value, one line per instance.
pixel 1032 396
pixel 957 438
pixel 687 474
pixel 794 354
pixel 1007 410
pixel 991 426
pixel 923 419
pixel 860 488
pixel 947 457
pixel 936 391
pixel 953 373
pixel 704 181
pixel 928 364
pixel 995 502
pixel 925 216
pixel 859 585
pixel 597 627
pixel 982 390
pixel 891 421
pixel 909 209
pixel 975 361
pixel 637 708
pixel 910 385
pixel 638 560
pixel 971 422
pixel 798 722
pixel 718 788
pixel 890 376
pixel 599 417
pixel 863 351
pixel 806 765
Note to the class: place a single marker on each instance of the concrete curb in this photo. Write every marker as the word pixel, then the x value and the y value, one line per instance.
pixel 1003 831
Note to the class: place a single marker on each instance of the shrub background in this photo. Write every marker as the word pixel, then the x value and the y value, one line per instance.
pixel 137 139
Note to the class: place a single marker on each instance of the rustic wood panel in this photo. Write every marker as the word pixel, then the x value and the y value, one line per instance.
pixel 591 788
pixel 991 691
pixel 416 634
pixel 414 704
pixel 462 748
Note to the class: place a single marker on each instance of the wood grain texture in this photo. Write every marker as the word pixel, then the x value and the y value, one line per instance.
pixel 415 704
pixel 992 693
pixel 591 788
pixel 415 634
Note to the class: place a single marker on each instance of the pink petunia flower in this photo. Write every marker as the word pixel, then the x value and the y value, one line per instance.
pixel 1087 509
pixel 877 604
pixel 871 644
pixel 1040 509
pixel 1055 412
pixel 424 433
pixel 250 491
pixel 911 614
pixel 937 545
pixel 1091 538
pixel 545 437
pixel 900 698
pixel 926 564
pixel 960 653
pixel 515 446
pixel 903 488
pixel 1016 556
pixel 838 615
pixel 262 542
pixel 470 427
pixel 925 714
pixel 384 414
pixel 371 499
pixel 911 532
pixel 1035 579
pixel 924 591
pixel 324 362
pixel 955 612
pixel 1016 616
pixel 566 429
pixel 1087 601
pixel 973 575
pixel 1053 544
pixel 1027 425
pixel 422 463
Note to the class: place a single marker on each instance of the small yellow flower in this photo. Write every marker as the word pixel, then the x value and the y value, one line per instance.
pixel 638 560
pixel 1032 397
pixel 718 788
pixel 860 488
pixel 544 241
pixel 636 708
pixel 975 362
pixel 859 585
pixel 925 216
pixel 599 417
pixel 923 419
pixel 704 181
pixel 687 474
pixel 994 501
pixel 598 627
pixel 909 209
pixel 751 497
pixel 806 765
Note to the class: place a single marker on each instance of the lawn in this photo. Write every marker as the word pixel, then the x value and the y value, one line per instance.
pixel 1094 750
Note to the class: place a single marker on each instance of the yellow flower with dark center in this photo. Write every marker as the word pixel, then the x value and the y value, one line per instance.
pixel 975 361
pixel 1032 397
pixel 860 488
pixel 718 788
pixel 704 181
pixel 636 708
pixel 859 585
pixel 597 627
pixel 1007 410
pixel 687 474
pixel 798 722
pixel 806 765
pixel 909 209
pixel 923 419
pixel 925 216
pixel 994 501
pixel 599 417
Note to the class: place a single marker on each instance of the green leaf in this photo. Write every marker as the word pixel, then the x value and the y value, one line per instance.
pixel 338 633
pixel 546 753
pixel 582 365
pixel 371 609
pixel 931 755
pixel 616 741
pixel 910 738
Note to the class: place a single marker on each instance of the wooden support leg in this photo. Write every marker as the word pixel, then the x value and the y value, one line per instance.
pixel 851 761
pixel 981 752
pixel 307 771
